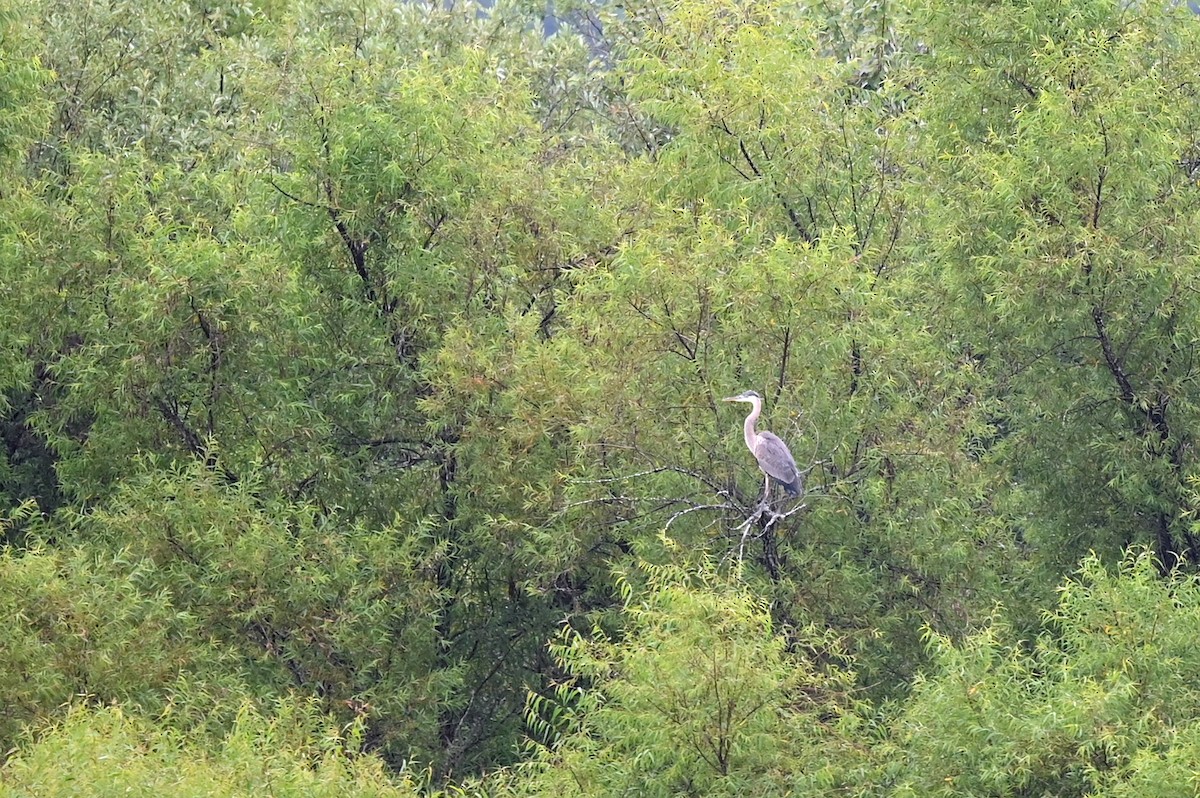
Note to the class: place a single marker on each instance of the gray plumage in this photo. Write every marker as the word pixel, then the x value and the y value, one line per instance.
pixel 771 453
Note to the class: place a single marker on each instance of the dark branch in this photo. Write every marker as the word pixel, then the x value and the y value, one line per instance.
pixel 1115 367
pixel 193 442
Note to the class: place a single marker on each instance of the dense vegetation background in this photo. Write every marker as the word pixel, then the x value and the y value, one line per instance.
pixel 359 378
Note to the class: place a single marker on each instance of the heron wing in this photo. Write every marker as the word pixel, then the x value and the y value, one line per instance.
pixel 774 458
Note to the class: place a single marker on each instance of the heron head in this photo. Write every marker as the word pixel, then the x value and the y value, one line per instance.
pixel 745 396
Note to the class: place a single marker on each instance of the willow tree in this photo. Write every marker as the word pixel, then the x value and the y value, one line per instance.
pixel 237 239
pixel 1059 147
pixel 765 251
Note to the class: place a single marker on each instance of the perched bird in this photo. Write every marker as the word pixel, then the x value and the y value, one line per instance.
pixel 771 453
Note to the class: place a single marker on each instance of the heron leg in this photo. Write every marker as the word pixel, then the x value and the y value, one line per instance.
pixel 767 488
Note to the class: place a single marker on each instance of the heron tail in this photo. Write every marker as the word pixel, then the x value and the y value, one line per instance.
pixel 795 487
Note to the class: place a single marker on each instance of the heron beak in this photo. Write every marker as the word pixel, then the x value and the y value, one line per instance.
pixel 730 399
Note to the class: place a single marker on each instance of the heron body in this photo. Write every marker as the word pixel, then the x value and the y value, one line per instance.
pixel 771 453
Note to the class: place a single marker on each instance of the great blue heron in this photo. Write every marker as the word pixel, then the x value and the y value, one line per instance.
pixel 771 453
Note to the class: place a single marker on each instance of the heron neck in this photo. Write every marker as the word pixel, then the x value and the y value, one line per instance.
pixel 748 426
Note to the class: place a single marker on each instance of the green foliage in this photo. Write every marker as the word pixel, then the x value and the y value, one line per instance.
pixel 294 752
pixel 698 697
pixel 22 77
pixel 306 602
pixel 1103 703
pixel 352 352
pixel 767 258
pixel 92 625
pixel 1060 255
